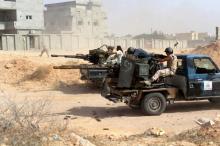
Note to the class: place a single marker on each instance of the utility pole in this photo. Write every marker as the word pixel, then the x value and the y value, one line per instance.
pixel 217 33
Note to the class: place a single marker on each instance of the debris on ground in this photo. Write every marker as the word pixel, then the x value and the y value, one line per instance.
pixel 217 119
pixel 155 132
pixel 79 141
pixel 205 122
pixel 9 65
pixel 205 135
pixel 202 136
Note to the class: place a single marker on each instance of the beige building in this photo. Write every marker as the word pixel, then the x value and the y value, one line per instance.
pixel 187 36
pixel 21 16
pixel 192 36
pixel 79 17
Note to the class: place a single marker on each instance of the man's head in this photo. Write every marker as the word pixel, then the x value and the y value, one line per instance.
pixel 119 48
pixel 169 51
pixel 130 50
pixel 110 48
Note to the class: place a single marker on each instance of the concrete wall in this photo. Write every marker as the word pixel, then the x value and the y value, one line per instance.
pixel 169 43
pixel 69 42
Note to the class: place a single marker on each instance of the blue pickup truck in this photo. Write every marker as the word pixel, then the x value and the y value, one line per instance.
pixel 197 78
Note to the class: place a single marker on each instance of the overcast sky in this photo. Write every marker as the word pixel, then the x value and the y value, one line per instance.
pixel 169 16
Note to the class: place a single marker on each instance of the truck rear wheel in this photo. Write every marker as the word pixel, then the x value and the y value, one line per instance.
pixel 153 104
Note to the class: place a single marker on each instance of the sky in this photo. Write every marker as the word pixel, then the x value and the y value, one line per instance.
pixel 170 16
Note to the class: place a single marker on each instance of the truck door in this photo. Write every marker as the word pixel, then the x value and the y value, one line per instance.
pixel 202 80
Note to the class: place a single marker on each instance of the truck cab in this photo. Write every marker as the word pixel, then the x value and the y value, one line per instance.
pixel 197 78
pixel 199 75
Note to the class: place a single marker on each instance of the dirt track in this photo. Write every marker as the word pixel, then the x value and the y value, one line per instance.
pixel 90 114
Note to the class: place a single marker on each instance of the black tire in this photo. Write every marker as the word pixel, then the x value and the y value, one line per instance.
pixel 153 104
pixel 214 100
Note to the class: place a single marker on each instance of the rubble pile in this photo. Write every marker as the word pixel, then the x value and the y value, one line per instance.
pixel 15 69
pixel 28 74
pixel 212 50
pixel 207 134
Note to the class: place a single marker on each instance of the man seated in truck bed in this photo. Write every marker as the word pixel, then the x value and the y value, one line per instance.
pixel 171 68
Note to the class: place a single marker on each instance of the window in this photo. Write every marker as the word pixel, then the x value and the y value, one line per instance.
pixel 180 63
pixel 204 66
pixel 96 23
pixel 11 0
pixel 28 17
pixel 78 13
pixel 180 67
pixel 80 22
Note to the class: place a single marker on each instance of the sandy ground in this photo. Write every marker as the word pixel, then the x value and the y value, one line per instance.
pixel 90 113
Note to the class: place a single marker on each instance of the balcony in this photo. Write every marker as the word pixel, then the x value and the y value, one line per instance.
pixel 7 5
pixel 7 25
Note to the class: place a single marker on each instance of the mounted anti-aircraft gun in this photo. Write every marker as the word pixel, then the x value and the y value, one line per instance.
pixel 97 56
pixel 136 66
pixel 94 72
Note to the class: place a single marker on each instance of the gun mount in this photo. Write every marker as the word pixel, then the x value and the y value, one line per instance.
pixel 134 69
pixel 94 72
pixel 96 56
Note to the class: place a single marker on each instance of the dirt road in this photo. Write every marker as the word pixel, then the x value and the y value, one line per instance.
pixel 93 115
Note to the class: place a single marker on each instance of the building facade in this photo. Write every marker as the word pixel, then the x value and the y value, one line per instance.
pixel 21 16
pixel 188 36
pixel 79 17
pixel 192 36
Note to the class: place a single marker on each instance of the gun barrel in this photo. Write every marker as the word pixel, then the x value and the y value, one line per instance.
pixel 67 67
pixel 53 55
pixel 79 67
pixel 79 56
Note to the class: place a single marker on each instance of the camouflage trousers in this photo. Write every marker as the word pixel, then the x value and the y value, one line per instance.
pixel 163 73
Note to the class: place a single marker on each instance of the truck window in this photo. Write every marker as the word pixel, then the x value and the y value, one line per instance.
pixel 180 67
pixel 180 64
pixel 204 66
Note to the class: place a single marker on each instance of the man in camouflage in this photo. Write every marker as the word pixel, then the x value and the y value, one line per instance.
pixel 171 60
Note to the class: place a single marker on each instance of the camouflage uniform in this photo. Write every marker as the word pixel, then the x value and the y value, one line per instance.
pixel 170 70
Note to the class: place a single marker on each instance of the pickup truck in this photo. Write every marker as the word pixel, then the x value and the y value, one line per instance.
pixel 197 78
